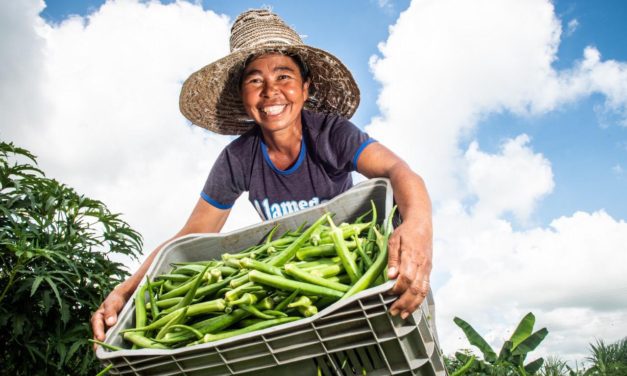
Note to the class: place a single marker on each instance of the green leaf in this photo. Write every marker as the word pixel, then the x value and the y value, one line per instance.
pixel 65 314
pixel 75 346
pixel 534 366
pixel 523 330
pixel 506 351
pixel 54 288
pixel 465 368
pixel 531 342
pixel 18 324
pixel 36 284
pixel 476 340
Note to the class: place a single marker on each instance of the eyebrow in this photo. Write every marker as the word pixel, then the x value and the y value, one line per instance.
pixel 277 69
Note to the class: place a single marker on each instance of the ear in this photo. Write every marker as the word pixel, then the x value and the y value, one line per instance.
pixel 306 88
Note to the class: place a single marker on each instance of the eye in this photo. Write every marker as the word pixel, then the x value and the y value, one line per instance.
pixel 254 80
pixel 284 77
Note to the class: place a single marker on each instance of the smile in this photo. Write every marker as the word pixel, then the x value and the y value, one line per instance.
pixel 273 110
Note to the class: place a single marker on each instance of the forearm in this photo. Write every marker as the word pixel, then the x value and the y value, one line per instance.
pixel 410 194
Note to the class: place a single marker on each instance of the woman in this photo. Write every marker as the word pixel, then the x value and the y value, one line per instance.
pixel 290 102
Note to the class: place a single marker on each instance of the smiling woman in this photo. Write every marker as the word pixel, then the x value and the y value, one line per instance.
pixel 290 104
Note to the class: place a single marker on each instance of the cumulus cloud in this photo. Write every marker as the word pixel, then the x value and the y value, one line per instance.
pixel 21 53
pixel 107 121
pixel 447 65
pixel 512 181
pixel 497 274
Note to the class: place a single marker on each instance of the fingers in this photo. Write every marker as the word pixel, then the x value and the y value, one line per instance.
pixel 105 316
pixel 406 271
pixel 110 314
pixel 97 325
pixel 411 299
pixel 394 251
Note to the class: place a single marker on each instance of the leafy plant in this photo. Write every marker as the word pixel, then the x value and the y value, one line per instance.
pixel 56 267
pixel 608 360
pixel 511 357
pixel 554 366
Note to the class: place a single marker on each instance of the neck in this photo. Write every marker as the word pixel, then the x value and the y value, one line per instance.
pixel 285 140
pixel 284 145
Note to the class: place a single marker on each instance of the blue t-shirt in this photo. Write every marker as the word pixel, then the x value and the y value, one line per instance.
pixel 329 151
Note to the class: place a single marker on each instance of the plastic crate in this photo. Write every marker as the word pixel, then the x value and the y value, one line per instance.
pixel 349 337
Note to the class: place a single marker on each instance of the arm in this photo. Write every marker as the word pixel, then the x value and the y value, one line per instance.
pixel 410 246
pixel 204 218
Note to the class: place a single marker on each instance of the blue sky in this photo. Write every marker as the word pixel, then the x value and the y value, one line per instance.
pixel 526 161
pixel 585 150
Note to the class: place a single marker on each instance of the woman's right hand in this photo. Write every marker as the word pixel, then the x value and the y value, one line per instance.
pixel 107 314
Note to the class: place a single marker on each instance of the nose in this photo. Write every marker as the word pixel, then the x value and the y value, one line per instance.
pixel 269 89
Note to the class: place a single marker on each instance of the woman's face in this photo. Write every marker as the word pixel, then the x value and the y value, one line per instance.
pixel 273 92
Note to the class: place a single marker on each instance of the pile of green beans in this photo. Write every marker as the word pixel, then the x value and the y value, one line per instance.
pixel 278 281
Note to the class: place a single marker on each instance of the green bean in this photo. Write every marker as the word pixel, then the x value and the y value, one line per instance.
pixel 175 320
pixel 377 266
pixel 342 250
pixel 191 269
pixel 189 296
pixel 255 312
pixel 346 232
pixel 306 277
pixel 302 301
pixel 288 253
pixel 105 370
pixel 262 325
pixel 140 307
pixel 189 329
pixel 285 302
pixel 290 285
pixel 105 345
pixel 154 310
pixel 327 270
pixel 173 277
pixel 266 303
pixel 308 311
pixel 142 341
pixel 247 298
pixel 274 313
pixel 261 266
pixel 364 256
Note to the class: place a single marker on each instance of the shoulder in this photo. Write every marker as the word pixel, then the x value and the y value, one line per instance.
pixel 244 141
pixel 244 145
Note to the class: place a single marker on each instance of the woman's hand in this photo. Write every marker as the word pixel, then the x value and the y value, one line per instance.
pixel 409 261
pixel 107 314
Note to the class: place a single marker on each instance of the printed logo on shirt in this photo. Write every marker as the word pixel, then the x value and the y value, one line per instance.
pixel 279 209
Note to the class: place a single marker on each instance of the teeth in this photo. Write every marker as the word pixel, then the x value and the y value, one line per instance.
pixel 274 110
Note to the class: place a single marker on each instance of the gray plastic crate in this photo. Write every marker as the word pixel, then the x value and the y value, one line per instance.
pixel 346 338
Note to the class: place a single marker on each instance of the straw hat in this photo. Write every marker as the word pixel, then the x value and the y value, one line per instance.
pixel 210 97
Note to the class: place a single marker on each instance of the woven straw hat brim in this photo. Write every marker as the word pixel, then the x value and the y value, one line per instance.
pixel 210 97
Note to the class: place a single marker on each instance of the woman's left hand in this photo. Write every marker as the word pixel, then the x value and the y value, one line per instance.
pixel 409 261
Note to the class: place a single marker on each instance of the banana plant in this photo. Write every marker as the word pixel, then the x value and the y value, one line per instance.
pixel 510 359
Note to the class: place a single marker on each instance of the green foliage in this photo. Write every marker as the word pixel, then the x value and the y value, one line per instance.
pixel 608 360
pixel 511 357
pixel 56 267
pixel 554 366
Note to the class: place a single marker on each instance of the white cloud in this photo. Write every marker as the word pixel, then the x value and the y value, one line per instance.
pixel 108 123
pixel 572 26
pixel 498 274
pixel 512 181
pixel 21 69
pixel 446 66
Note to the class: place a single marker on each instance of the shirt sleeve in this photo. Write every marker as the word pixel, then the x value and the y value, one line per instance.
pixel 341 144
pixel 224 185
